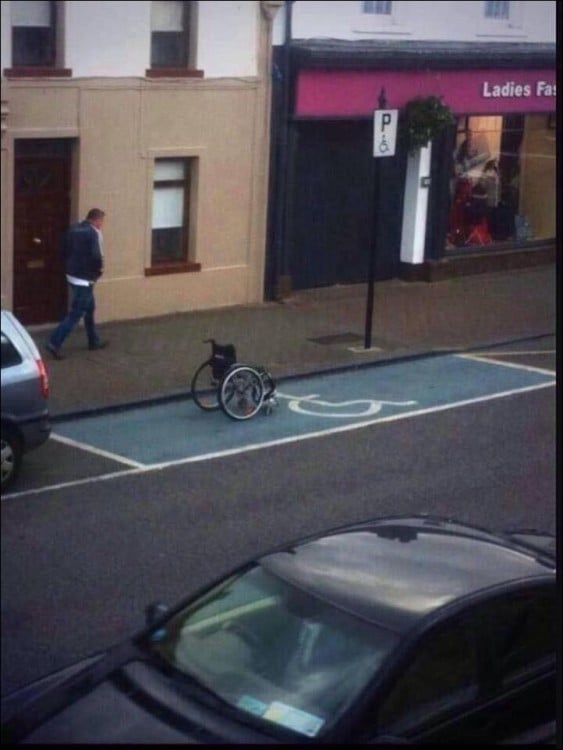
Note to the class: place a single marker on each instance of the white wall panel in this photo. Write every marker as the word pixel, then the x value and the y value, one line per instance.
pixel 6 38
pixel 227 38
pixel 107 38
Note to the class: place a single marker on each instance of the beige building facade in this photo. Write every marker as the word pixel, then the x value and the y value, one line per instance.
pixel 177 155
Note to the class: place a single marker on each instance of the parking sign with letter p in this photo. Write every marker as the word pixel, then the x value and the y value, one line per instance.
pixel 385 132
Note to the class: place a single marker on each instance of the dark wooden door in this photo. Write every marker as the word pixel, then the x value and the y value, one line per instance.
pixel 330 223
pixel 332 206
pixel 41 215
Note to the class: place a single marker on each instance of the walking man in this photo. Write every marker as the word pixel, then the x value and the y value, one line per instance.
pixel 82 249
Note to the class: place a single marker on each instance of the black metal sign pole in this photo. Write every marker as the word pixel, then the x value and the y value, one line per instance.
pixel 371 268
pixel 371 265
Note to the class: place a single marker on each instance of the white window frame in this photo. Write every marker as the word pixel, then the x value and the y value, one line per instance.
pixel 381 23
pixel 188 35
pixel 378 14
pixel 503 27
pixel 507 6
pixel 30 19
pixel 197 154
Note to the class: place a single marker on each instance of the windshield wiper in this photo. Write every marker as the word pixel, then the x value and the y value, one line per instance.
pixel 187 685
pixel 184 681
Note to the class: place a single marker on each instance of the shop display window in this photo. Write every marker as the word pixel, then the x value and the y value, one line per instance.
pixel 502 188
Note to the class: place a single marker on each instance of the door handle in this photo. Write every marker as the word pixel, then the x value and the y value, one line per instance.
pixel 36 240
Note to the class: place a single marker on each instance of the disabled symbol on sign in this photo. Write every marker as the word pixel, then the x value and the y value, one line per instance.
pixel 383 146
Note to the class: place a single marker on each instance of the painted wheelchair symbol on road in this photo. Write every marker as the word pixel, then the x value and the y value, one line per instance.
pixel 367 407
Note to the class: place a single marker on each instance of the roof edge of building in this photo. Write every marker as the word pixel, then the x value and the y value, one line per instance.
pixel 396 54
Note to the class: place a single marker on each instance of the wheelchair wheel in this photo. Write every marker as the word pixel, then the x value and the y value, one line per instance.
pixel 205 387
pixel 242 393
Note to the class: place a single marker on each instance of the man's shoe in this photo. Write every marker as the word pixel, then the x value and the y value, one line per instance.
pixel 53 351
pixel 98 345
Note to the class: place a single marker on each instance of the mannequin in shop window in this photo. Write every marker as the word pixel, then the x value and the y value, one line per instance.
pixel 475 215
pixel 468 156
pixel 500 211
pixel 491 182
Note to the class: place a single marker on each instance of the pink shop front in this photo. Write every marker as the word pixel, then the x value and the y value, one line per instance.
pixel 492 178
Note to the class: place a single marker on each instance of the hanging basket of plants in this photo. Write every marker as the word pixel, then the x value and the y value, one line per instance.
pixel 421 120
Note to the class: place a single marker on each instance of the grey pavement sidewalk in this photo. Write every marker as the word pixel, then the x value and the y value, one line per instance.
pixel 312 330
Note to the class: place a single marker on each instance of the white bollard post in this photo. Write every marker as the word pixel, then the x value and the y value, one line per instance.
pixel 415 206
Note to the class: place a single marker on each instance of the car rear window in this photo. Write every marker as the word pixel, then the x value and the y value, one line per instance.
pixel 10 355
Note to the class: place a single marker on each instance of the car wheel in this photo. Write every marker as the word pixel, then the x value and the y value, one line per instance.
pixel 11 453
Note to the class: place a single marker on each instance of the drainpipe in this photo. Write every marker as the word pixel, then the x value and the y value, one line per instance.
pixel 282 281
pixel 6 229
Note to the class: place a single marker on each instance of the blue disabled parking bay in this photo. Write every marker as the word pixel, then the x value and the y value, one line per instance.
pixel 176 431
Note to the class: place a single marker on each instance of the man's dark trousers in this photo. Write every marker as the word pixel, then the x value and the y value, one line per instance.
pixel 83 304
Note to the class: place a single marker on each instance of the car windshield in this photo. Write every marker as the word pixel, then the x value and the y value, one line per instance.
pixel 273 651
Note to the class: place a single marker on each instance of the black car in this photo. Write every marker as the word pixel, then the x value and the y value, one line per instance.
pixel 403 629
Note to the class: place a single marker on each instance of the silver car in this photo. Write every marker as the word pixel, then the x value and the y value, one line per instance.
pixel 25 389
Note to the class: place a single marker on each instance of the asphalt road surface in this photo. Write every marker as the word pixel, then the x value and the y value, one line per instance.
pixel 125 509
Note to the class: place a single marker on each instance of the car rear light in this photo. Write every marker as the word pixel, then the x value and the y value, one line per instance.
pixel 43 378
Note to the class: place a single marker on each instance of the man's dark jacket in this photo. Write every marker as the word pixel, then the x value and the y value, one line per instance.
pixel 80 248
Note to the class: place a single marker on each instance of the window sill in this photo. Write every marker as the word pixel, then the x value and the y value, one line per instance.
pixel 391 30
pixel 173 73
pixel 500 246
pixel 36 71
pixel 167 268
pixel 515 34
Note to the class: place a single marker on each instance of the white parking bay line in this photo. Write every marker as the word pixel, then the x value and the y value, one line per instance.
pixel 97 451
pixel 74 483
pixel 143 469
pixel 514 354
pixel 490 360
